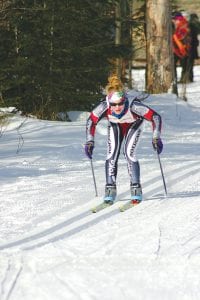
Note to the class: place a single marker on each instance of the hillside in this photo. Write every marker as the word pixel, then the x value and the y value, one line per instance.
pixel 53 248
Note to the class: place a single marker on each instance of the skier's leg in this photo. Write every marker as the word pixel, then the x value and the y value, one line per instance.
pixel 130 147
pixel 114 142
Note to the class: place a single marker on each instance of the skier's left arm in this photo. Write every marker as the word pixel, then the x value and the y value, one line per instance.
pixel 151 115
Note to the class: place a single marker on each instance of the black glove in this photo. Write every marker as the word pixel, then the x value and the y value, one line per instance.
pixel 157 145
pixel 89 147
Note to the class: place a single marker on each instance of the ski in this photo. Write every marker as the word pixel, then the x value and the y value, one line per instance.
pixel 100 207
pixel 127 205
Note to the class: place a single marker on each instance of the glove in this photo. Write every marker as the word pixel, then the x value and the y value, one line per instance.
pixel 89 147
pixel 157 145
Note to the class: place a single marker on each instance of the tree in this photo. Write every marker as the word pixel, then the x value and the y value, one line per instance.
pixel 123 39
pixel 56 54
pixel 158 48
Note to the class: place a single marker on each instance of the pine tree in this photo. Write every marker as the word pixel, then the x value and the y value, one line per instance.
pixel 57 54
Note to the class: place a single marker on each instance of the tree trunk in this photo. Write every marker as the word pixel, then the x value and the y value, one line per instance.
pixel 118 36
pixel 159 49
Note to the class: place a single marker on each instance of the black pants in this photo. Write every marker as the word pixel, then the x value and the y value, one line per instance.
pixel 184 64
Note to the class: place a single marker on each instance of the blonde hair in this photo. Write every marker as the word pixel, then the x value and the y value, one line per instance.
pixel 114 84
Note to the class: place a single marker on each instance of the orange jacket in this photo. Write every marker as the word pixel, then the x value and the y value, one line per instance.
pixel 181 39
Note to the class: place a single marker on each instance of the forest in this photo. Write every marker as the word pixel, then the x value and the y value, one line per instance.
pixel 56 55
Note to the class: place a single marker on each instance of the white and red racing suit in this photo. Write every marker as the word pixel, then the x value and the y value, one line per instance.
pixel 128 128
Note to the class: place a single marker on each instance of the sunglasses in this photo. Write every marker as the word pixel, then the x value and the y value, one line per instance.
pixel 117 104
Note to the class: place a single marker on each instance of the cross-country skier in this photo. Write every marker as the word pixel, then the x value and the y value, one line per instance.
pixel 124 123
pixel 181 42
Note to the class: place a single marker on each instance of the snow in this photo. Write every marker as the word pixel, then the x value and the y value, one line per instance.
pixel 53 247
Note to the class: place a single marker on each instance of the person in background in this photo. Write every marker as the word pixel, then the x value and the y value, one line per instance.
pixel 124 124
pixel 194 25
pixel 181 42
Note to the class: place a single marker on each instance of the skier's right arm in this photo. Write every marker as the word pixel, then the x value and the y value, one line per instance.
pixel 95 116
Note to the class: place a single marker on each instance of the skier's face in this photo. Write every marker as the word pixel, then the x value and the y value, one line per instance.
pixel 117 107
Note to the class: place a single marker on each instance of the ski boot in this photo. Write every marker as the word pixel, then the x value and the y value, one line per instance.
pixel 110 194
pixel 136 193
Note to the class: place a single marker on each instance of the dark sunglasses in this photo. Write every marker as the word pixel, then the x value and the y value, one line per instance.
pixel 117 104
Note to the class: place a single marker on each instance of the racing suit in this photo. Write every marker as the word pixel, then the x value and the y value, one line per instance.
pixel 128 128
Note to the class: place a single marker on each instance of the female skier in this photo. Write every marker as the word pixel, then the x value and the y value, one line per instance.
pixel 124 123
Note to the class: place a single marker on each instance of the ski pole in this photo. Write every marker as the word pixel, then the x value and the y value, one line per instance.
pixel 163 178
pixel 94 180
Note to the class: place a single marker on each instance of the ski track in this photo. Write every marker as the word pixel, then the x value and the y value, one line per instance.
pixel 79 222
pixel 157 252
pixel 10 279
pixel 85 255
pixel 4 280
pixel 52 234
pixel 62 230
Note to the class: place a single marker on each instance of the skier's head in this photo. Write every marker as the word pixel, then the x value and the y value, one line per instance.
pixel 194 17
pixel 118 103
pixel 116 97
pixel 177 16
pixel 179 19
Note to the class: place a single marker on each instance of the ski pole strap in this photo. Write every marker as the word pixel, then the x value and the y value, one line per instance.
pixel 163 178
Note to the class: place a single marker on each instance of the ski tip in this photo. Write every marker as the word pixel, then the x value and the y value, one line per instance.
pixel 101 206
pixel 93 210
pixel 121 209
pixel 128 205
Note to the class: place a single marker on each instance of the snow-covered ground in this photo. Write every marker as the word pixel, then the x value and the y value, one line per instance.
pixel 52 247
